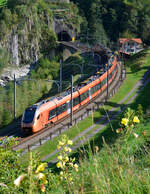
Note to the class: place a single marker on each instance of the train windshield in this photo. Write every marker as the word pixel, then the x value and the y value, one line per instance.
pixel 29 115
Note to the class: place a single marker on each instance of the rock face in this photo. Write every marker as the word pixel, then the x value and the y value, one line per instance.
pixel 21 49
pixel 22 52
pixel 59 26
pixel 26 41
pixel 8 74
pixel 14 49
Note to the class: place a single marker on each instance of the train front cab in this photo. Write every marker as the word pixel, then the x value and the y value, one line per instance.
pixel 33 120
pixel 28 120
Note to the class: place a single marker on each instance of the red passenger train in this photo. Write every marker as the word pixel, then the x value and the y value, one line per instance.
pixel 49 111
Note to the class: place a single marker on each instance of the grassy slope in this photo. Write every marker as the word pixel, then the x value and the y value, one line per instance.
pixel 128 84
pixel 122 163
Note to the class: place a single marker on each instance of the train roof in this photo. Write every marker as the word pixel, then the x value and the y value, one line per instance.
pixel 67 94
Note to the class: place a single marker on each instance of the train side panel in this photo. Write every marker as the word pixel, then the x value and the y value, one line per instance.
pixel 52 111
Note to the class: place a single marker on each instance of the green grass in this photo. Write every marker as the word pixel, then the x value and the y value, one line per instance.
pixel 121 168
pixel 109 162
pixel 51 145
pixel 127 86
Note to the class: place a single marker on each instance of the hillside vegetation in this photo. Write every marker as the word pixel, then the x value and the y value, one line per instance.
pixel 98 21
pixel 116 160
pixel 111 19
pixel 32 22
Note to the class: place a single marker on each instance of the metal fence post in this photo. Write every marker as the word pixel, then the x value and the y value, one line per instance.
pixel 60 76
pixel 14 97
pixel 71 113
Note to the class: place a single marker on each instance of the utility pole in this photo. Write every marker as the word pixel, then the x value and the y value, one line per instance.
pixel 124 58
pixel 14 97
pixel 87 36
pixel 82 68
pixel 71 104
pixel 107 81
pixel 60 76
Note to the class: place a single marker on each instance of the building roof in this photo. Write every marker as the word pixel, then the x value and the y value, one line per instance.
pixel 123 40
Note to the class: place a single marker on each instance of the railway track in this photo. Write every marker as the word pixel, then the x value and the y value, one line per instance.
pixel 63 124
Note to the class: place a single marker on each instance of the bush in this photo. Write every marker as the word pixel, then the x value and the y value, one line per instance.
pixel 6 117
pixel 46 69
pixel 4 59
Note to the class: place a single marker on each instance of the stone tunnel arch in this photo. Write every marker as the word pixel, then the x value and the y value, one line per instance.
pixel 64 36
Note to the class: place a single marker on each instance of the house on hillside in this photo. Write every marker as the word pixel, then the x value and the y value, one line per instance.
pixel 130 45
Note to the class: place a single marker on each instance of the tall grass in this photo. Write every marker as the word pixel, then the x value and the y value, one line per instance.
pixel 119 168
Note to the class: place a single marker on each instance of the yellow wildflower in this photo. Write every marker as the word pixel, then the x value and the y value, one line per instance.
pixel 64 163
pixel 136 119
pixel 66 159
pixel 124 121
pixel 135 135
pixel 61 143
pixel 96 149
pixel 59 165
pixel 69 150
pixel 66 149
pixel 69 142
pixel 61 173
pixel 71 164
pixel 118 130
pixel 45 181
pixel 59 157
pixel 70 179
pixel 41 167
pixel 76 167
pixel 41 176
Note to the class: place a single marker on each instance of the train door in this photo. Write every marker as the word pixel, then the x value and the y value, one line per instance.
pixel 68 107
pixel 90 95
pixel 39 123
pixel 42 121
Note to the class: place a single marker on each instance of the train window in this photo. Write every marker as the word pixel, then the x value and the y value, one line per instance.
pixel 99 86
pixel 95 88
pixel 62 108
pixel 29 115
pixel 52 113
pixel 92 90
pixel 103 82
pixel 84 95
pixel 76 101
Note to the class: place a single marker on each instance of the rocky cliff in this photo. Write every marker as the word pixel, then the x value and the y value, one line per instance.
pixel 29 32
